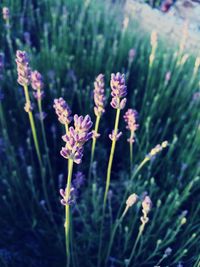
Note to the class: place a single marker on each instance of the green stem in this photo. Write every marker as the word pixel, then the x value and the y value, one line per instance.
pixel 118 222
pixel 108 183
pixel 33 129
pixel 67 211
pixel 94 139
pixel 111 156
pixel 136 242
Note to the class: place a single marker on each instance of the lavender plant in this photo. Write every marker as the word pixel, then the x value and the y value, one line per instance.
pixel 71 43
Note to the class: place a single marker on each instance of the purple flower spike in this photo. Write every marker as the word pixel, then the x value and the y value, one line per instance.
pixel 6 13
pixel 23 69
pixel 130 118
pixel 99 97
pixel 72 196
pixel 115 137
pixel 62 110
pixel 79 180
pixel 76 138
pixel 36 80
pixel 119 90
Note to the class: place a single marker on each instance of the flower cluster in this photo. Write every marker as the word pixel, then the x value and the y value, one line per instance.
pixel 99 97
pixel 157 149
pixel 76 184
pixel 5 13
pixel 114 136
pixel 23 69
pixel 62 110
pixel 37 84
pixel 72 197
pixel 146 207
pixel 130 118
pixel 1 64
pixel 79 180
pixel 131 55
pixel 131 200
pixel 76 138
pixel 119 90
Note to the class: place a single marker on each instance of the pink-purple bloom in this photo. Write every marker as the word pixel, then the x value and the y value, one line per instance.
pixel 36 80
pixel 76 138
pixel 131 55
pixel 130 118
pixel 114 136
pixel 119 90
pixel 72 196
pixel 79 180
pixel 62 110
pixel 5 13
pixel 37 84
pixel 99 97
pixel 23 68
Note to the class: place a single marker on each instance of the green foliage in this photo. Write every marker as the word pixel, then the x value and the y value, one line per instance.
pixel 71 42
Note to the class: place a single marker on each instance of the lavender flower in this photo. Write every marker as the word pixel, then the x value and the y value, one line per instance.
pixel 114 136
pixel 119 91
pixel 146 207
pixel 72 197
pixel 99 97
pixel 1 62
pixel 157 149
pixel 130 118
pixel 131 55
pixel 36 80
pixel 28 107
pixel 62 110
pixel 41 116
pixel 168 251
pixel 6 13
pixel 23 68
pixel 132 199
pixel 79 180
pixel 27 38
pixel 76 138
pixel 167 76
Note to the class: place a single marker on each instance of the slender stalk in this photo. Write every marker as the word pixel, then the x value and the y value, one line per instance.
pixel 32 123
pixel 67 211
pixel 131 152
pixel 111 156
pixel 136 242
pixel 118 222
pixel 108 184
pixel 94 139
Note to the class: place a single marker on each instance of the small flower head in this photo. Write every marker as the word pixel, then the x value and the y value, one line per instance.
pixel 99 97
pixel 130 118
pixel 36 80
pixel 28 107
pixel 167 76
pixel 23 68
pixel 157 149
pixel 72 197
pixel 146 205
pixel 6 13
pixel 79 180
pixel 119 90
pixel 115 137
pixel 168 252
pixel 62 110
pixel 76 138
pixel 131 55
pixel 132 199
